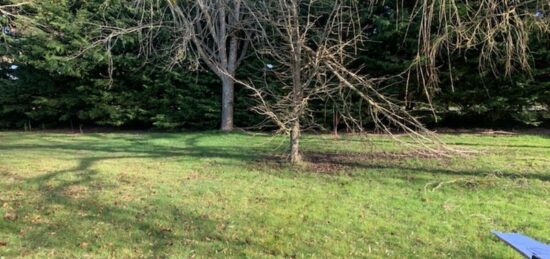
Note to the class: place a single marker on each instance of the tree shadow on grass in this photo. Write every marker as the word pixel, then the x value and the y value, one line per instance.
pixel 156 227
pixel 234 154
pixel 142 148
pixel 389 161
pixel 55 194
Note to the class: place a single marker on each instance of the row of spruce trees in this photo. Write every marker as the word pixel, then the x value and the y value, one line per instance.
pixel 46 81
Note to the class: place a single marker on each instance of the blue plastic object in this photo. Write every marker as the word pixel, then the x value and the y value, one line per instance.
pixel 525 245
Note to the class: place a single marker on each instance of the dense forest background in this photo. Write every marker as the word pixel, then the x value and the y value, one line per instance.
pixel 47 80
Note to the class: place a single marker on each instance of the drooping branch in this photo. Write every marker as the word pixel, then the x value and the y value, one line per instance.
pixel 499 30
pixel 12 9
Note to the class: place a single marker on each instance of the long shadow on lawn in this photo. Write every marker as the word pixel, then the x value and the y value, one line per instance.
pixel 378 161
pixel 150 150
pixel 142 148
pixel 68 235
pixel 442 171
pixel 452 143
pixel 55 189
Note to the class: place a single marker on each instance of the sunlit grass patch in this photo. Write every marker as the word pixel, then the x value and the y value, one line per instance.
pixel 218 195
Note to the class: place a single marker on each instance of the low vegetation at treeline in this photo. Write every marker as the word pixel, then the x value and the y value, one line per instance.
pixel 217 195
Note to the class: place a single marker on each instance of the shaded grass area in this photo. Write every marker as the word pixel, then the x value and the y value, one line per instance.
pixel 219 195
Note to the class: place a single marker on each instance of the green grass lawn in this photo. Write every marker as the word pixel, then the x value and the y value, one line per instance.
pixel 218 195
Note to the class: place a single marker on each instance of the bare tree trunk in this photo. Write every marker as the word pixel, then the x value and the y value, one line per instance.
pixel 295 156
pixel 228 89
pixel 215 29
pixel 335 122
pixel 297 90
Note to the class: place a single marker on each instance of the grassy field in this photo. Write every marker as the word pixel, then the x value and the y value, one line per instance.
pixel 219 195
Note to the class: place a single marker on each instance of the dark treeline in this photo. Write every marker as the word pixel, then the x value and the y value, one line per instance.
pixel 48 81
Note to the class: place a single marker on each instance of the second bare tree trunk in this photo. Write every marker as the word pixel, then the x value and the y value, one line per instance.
pixel 228 89
pixel 295 156
pixel 297 91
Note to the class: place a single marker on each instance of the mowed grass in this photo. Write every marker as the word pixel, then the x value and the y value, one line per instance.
pixel 138 195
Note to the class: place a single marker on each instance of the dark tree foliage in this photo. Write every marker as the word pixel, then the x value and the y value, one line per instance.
pixel 467 95
pixel 57 84
pixel 48 81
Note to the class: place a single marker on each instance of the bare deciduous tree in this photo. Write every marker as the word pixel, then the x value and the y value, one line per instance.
pixel 311 44
pixel 216 30
pixel 208 32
